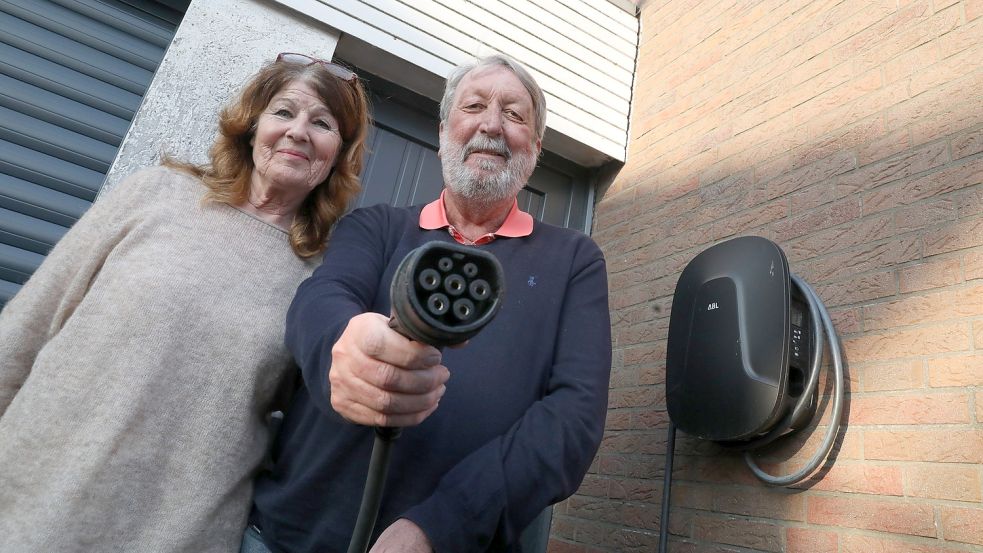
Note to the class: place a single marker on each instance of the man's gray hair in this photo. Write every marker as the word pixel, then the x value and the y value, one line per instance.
pixel 536 93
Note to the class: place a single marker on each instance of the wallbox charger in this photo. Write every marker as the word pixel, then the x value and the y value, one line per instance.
pixel 743 357
pixel 738 341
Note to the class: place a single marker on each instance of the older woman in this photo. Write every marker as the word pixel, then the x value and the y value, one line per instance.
pixel 140 362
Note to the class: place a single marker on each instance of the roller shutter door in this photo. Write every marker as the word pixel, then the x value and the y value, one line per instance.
pixel 72 75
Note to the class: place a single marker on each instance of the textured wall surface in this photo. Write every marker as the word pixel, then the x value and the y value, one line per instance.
pixel 851 133
pixel 218 46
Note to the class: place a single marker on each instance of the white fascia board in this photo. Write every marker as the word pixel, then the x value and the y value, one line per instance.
pixel 394 27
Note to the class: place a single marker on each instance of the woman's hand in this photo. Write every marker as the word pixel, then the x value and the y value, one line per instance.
pixel 380 378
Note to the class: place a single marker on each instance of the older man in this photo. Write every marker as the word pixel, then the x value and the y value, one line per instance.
pixel 503 426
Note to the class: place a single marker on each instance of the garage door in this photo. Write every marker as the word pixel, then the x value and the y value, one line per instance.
pixel 72 74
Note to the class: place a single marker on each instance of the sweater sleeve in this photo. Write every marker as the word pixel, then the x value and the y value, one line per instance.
pixel 48 299
pixel 496 491
pixel 340 288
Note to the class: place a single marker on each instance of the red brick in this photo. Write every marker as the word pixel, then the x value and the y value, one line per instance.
pixel 845 321
pixel 898 517
pixel 749 220
pixel 859 259
pixel 967 144
pixel 961 38
pixel 759 503
pixel 852 477
pixel 755 535
pixel 692 497
pixel 955 236
pixel 835 214
pixel 909 36
pixel 861 288
pixel 896 168
pixel 945 305
pixel 956 117
pixel 935 102
pixel 621 376
pixel 883 147
pixel 973 264
pixel 867 37
pixel 947 70
pixel 612 465
pixel 836 97
pixel 899 344
pixel 962 524
pixel 941 481
pixel 594 486
pixel 926 214
pixel 864 231
pixel 974 9
pixel 948 179
pixel 979 406
pixel 617 419
pixel 956 370
pixel 650 419
pixel 869 106
pixel 938 445
pixel 935 273
pixel 646 353
pixel 632 397
pixel 860 543
pixel 850 138
pixel 626 335
pixel 811 540
pixel 649 375
pixel 636 489
pixel 558 546
pixel 911 62
pixel 935 408
pixel 841 25
pixel 904 375
pixel 969 203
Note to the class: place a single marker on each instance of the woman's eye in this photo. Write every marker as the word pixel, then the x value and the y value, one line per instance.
pixel 282 112
pixel 326 125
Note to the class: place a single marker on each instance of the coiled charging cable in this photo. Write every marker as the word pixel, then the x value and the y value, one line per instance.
pixel 817 312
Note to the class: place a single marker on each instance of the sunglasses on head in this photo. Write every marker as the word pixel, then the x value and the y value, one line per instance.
pixel 342 73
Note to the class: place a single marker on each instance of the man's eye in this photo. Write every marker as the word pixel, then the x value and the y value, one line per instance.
pixel 514 115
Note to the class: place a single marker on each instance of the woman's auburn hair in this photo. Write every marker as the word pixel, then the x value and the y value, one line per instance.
pixel 228 175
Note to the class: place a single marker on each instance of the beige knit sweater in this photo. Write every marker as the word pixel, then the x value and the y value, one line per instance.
pixel 136 370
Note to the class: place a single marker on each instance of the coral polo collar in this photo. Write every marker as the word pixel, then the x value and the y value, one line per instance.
pixel 517 223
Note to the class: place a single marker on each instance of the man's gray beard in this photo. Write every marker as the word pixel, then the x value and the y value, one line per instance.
pixel 490 188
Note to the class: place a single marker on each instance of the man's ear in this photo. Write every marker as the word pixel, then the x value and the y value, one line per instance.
pixel 440 136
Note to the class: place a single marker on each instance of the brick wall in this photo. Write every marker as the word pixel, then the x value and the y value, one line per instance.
pixel 851 133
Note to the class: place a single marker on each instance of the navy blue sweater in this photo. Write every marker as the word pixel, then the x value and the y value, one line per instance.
pixel 516 430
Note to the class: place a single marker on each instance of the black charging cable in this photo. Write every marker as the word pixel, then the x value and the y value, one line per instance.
pixel 817 312
pixel 442 294
pixel 816 307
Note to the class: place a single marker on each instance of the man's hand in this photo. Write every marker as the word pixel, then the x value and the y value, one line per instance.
pixel 403 536
pixel 380 378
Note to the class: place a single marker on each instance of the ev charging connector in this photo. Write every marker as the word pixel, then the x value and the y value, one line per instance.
pixel 442 294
